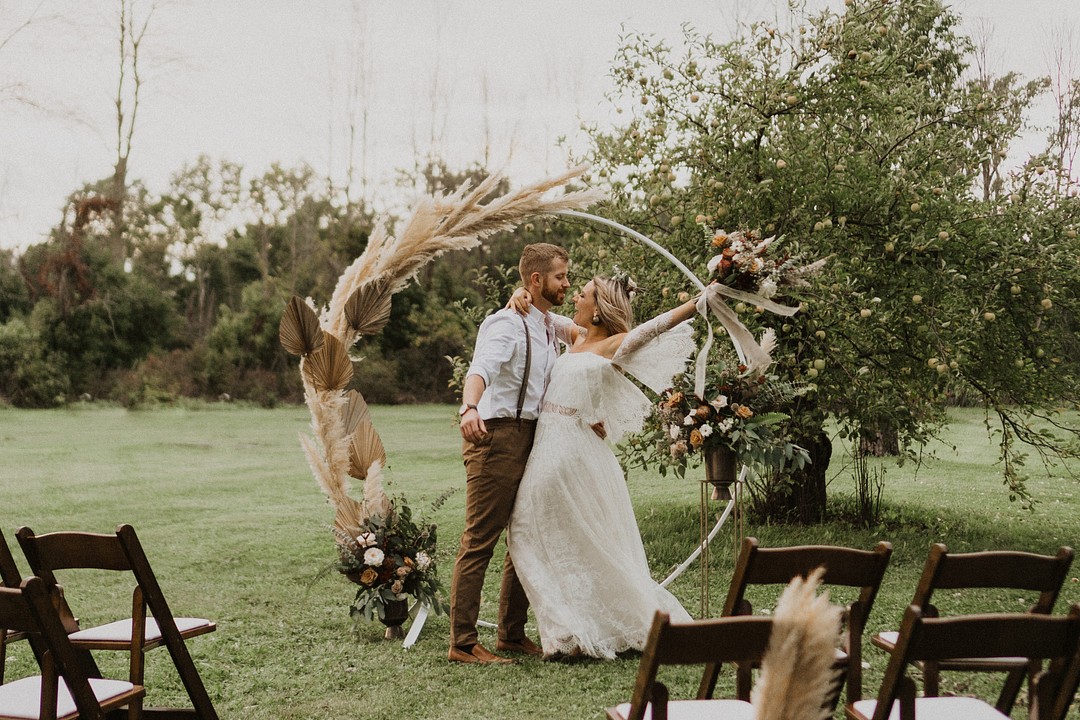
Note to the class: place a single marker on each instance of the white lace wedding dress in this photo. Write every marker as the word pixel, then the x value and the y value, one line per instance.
pixel 573 535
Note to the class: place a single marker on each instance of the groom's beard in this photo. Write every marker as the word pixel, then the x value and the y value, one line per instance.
pixel 554 295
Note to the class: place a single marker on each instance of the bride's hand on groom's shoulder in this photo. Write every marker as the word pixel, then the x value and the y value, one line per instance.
pixel 520 301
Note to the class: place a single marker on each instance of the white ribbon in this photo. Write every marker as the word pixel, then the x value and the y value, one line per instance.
pixel 747 348
pixel 746 345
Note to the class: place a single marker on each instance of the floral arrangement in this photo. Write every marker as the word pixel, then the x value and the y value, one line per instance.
pixel 740 406
pixel 746 264
pixel 392 558
pixel 739 412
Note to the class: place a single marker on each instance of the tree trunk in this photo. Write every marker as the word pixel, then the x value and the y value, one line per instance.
pixel 806 502
pixel 879 441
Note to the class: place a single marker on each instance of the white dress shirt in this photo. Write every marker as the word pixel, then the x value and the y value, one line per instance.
pixel 499 358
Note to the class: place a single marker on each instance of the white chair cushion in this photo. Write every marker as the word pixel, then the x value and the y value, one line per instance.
pixel 889 636
pixel 120 631
pixel 21 698
pixel 700 710
pixel 937 708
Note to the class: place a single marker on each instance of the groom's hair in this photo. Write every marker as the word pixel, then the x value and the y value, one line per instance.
pixel 539 257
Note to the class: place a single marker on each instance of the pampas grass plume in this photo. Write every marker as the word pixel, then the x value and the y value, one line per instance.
pixel 797 670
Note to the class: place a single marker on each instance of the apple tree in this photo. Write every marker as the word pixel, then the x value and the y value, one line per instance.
pixel 861 137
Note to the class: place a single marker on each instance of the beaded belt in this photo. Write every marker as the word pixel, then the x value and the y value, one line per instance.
pixel 560 409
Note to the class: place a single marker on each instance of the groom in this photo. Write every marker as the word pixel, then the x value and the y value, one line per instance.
pixel 500 403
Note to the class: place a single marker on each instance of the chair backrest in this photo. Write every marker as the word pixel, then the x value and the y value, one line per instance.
pixel 846 567
pixel 30 608
pixel 9 571
pixel 701 642
pixel 1006 569
pixel 1033 636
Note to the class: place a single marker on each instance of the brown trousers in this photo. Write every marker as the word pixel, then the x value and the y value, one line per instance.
pixel 493 470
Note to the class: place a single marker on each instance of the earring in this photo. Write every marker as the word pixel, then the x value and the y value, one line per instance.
pixel 596 318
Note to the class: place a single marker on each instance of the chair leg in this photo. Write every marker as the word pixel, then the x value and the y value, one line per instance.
pixel 1011 689
pixel 906 696
pixel 931 679
pixel 743 681
pixel 136 673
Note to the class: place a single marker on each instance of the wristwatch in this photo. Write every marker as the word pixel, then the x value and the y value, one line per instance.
pixel 465 407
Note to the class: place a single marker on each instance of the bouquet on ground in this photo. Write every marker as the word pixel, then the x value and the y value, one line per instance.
pixel 392 558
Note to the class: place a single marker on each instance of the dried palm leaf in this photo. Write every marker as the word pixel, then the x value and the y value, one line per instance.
pixel 366 448
pixel 349 515
pixel 299 330
pixel 329 367
pixel 368 308
pixel 353 411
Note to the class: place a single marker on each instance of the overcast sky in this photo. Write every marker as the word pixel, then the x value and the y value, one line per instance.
pixel 258 81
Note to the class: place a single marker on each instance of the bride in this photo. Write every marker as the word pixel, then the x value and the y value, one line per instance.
pixel 573 535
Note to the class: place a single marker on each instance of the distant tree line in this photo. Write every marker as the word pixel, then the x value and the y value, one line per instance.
pixel 190 306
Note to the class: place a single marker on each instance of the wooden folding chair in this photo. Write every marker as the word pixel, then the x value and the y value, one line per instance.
pixel 31 609
pixel 1030 636
pixel 1006 570
pixel 846 567
pixel 11 578
pixel 138 633
pixel 702 642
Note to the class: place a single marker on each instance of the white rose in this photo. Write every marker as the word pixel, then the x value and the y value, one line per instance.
pixel 688 420
pixel 706 430
pixel 423 560
pixel 720 402
pixel 366 539
pixel 768 288
pixel 674 431
pixel 374 556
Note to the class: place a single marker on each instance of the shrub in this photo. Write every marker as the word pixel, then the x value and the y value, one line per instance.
pixel 29 375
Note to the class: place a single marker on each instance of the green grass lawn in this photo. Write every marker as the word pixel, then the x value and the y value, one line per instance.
pixel 237 531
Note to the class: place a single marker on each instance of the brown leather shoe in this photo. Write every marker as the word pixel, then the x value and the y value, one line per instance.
pixel 525 646
pixel 479 655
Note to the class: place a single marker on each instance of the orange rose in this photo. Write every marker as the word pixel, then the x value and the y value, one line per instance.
pixel 696 438
pixel 368 576
pixel 675 399
pixel 743 411
pixel 702 412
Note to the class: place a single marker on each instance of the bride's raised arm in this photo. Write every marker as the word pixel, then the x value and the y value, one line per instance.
pixel 650 329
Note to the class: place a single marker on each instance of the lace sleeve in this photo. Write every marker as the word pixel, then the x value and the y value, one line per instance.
pixel 642 334
pixel 564 328
pixel 612 399
pixel 654 352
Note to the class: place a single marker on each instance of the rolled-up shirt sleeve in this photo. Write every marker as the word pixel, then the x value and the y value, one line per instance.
pixel 494 346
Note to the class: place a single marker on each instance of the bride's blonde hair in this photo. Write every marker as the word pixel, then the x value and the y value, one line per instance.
pixel 613 304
